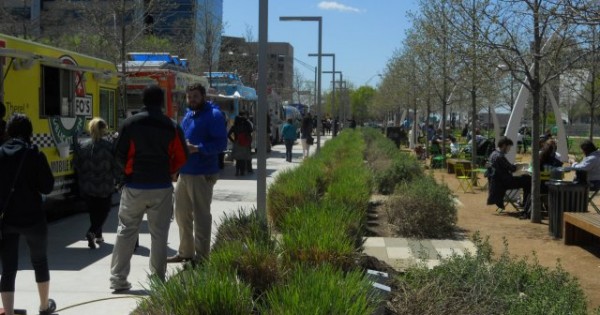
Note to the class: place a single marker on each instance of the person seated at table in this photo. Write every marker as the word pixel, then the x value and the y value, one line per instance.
pixel 500 176
pixel 590 164
pixel 454 146
pixel 549 159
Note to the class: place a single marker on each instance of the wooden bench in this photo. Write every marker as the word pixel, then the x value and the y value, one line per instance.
pixel 581 228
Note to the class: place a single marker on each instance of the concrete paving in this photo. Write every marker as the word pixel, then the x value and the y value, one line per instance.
pixel 80 276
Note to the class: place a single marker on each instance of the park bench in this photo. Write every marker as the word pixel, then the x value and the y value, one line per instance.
pixel 581 228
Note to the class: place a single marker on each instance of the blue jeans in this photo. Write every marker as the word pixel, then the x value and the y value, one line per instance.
pixel 288 149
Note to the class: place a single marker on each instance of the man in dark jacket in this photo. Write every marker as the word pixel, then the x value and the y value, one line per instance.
pixel 150 148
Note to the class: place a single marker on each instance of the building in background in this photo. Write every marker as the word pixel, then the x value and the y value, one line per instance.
pixel 241 57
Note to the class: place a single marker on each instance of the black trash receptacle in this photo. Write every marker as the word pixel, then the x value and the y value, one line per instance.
pixel 564 197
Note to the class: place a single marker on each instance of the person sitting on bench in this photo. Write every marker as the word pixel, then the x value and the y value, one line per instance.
pixel 501 178
pixel 590 164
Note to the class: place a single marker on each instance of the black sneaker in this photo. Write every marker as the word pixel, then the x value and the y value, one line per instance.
pixel 91 240
pixel 51 308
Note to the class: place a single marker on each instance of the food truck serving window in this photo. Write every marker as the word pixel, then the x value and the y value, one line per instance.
pixel 58 91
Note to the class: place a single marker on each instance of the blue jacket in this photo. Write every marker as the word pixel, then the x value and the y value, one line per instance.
pixel 205 129
pixel 289 132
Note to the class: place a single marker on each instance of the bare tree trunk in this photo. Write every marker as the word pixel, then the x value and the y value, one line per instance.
pixel 536 216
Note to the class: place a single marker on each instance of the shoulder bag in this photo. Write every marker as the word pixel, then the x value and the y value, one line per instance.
pixel 10 193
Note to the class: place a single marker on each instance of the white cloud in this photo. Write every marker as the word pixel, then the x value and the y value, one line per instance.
pixel 332 5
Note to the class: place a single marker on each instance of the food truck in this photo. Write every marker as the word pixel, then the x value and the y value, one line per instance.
pixel 59 90
pixel 162 69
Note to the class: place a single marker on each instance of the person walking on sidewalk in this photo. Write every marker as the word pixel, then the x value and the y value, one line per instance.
pixel 25 175
pixel 306 138
pixel 97 171
pixel 206 136
pixel 289 135
pixel 240 134
pixel 150 149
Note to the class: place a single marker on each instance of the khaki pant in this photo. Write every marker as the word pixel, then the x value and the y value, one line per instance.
pixel 157 204
pixel 193 195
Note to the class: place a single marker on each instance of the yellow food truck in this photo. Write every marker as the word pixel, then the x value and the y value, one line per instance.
pixel 59 90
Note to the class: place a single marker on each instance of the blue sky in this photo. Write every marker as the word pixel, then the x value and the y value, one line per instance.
pixel 363 34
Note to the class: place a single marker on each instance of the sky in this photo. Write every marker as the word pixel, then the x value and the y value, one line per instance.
pixel 363 34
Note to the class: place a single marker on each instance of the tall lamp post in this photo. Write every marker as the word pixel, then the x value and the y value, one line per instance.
pixel 339 114
pixel 261 119
pixel 320 20
pixel 333 57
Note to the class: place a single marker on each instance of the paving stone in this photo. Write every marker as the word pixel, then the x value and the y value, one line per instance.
pixel 445 243
pixel 423 249
pixel 377 252
pixel 396 242
pixel 399 252
pixel 374 242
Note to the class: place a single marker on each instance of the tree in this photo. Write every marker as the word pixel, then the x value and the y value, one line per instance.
pixel 439 34
pixel 360 100
pixel 529 36
pixel 583 83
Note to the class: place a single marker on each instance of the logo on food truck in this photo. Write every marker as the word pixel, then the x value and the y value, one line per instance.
pixel 64 128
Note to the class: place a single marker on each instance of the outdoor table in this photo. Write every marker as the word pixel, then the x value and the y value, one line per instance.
pixel 564 196
pixel 451 162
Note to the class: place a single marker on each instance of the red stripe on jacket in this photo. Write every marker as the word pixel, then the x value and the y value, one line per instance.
pixel 130 155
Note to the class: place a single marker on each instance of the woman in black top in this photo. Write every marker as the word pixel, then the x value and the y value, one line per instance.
pixel 23 214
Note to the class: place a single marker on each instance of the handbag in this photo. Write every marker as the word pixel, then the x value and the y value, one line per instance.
pixel 10 193
pixel 310 140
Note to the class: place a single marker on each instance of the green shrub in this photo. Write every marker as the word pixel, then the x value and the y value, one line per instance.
pixel 242 226
pixel 319 233
pixel 423 209
pixel 198 291
pixel 478 284
pixel 401 168
pixel 324 290
pixel 389 166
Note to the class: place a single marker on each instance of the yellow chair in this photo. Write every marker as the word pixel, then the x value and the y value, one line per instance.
pixel 465 180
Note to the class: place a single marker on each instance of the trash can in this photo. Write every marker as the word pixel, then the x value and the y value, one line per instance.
pixel 564 196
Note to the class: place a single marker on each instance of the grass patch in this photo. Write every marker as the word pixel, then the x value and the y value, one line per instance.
pixel 319 233
pixel 324 290
pixel 245 226
pixel 198 291
pixel 292 188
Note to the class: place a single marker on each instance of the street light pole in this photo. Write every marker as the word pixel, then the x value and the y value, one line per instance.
pixel 261 119
pixel 340 108
pixel 320 21
pixel 333 74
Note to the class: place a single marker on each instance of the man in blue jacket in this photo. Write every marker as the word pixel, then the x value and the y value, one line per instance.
pixel 207 137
